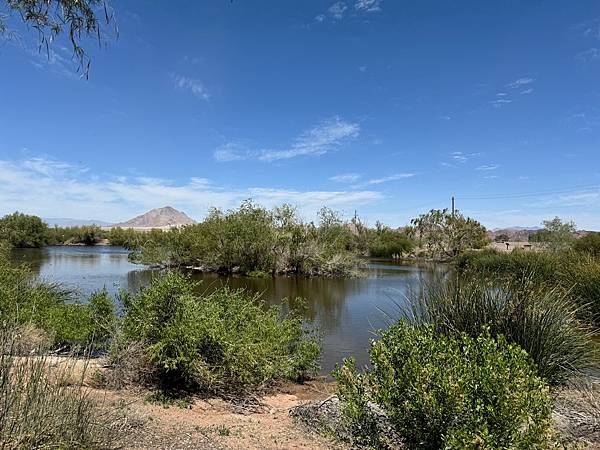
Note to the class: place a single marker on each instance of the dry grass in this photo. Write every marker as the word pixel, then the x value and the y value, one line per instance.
pixel 44 404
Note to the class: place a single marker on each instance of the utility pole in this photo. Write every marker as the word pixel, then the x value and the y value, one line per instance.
pixel 453 206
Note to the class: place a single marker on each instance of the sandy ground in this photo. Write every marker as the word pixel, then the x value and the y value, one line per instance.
pixel 214 423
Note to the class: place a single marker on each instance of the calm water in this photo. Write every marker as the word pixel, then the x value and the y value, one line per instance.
pixel 346 311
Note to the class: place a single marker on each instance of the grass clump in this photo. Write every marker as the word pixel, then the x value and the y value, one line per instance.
pixel 575 274
pixel 227 342
pixel 39 409
pixel 45 306
pixel 445 391
pixel 544 322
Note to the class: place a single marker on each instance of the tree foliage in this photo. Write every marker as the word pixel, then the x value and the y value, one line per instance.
pixel 51 18
pixel 556 234
pixel 23 231
pixel 442 235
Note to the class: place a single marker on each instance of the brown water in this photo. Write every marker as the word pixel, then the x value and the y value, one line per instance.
pixel 347 312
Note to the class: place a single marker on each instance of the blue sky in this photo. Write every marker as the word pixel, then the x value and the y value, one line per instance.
pixel 384 107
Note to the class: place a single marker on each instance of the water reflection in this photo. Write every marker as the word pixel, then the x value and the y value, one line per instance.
pixel 346 311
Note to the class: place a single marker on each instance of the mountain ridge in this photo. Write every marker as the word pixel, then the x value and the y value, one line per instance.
pixel 165 217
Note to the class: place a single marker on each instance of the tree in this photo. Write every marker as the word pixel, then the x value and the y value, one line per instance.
pixel 441 234
pixel 556 234
pixel 502 238
pixel 23 231
pixel 51 18
pixel 387 243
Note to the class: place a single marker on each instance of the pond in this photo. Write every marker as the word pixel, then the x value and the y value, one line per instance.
pixel 347 312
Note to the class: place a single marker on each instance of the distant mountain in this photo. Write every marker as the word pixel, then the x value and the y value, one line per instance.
pixel 517 234
pixel 67 222
pixel 166 217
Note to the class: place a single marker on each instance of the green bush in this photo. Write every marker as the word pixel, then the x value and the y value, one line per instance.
pixel 23 231
pixel 25 300
pixel 449 391
pixel 589 244
pixel 576 275
pixel 542 321
pixel 387 243
pixel 223 342
pixel 252 238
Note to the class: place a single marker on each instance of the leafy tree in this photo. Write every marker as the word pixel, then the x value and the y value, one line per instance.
pixel 502 238
pixel 441 234
pixel 23 231
pixel 556 234
pixel 51 18
pixel 387 243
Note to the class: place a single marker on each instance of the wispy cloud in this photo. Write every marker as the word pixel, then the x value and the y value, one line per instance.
pixel 395 177
pixel 488 167
pixel 337 10
pixel 232 151
pixel 346 178
pixel 520 82
pixel 195 86
pixel 592 54
pixel 500 102
pixel 527 91
pixel 368 5
pixel 318 140
pixel 463 157
pixel 24 186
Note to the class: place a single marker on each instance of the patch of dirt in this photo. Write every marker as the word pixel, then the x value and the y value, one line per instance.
pixel 576 413
pixel 215 423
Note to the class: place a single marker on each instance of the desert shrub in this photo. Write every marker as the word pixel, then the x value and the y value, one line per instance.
pixel 516 264
pixel 23 231
pixel 575 274
pixel 40 409
pixel 84 234
pixel 26 300
pixel 125 237
pixel 227 341
pixel 449 391
pixel 387 243
pixel 589 244
pixel 542 321
pixel 252 238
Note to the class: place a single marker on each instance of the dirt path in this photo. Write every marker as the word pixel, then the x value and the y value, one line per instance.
pixel 214 423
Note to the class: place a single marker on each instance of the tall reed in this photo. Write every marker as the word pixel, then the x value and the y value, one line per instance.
pixel 543 321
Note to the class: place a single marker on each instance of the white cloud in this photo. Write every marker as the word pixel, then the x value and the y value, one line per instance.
pixel 395 177
pixel 527 91
pixel 589 55
pixel 231 151
pixel 337 10
pixel 488 167
pixel 520 82
pixel 62 189
pixel 318 140
pixel 499 103
pixel 192 85
pixel 463 157
pixel 368 5
pixel 346 178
